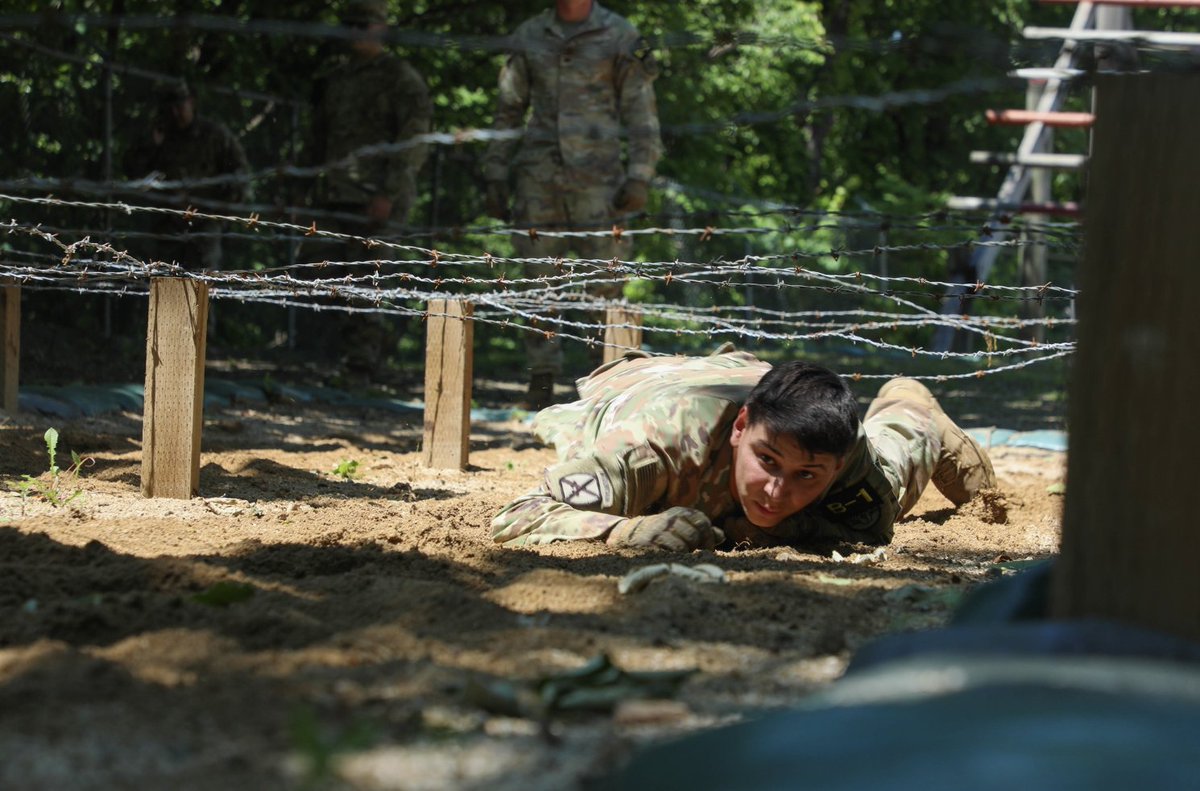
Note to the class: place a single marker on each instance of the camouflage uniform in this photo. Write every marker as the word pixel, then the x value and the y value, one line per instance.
pixel 204 148
pixel 361 102
pixel 579 84
pixel 365 102
pixel 649 434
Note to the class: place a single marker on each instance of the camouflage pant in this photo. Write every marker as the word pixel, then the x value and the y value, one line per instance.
pixel 360 340
pixel 906 446
pixel 548 201
pixel 195 246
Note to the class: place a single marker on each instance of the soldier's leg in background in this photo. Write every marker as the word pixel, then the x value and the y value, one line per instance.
pixel 961 468
pixel 319 331
pixel 539 204
pixel 591 209
pixel 906 444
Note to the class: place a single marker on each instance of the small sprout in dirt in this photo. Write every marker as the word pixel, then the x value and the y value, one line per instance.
pixel 509 465
pixel 55 490
pixel 1056 488
pixel 347 469
pixel 224 593
pixel 320 747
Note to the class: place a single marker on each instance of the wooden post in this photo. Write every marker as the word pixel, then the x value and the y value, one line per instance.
pixel 174 406
pixel 1130 541
pixel 449 359
pixel 618 337
pixel 10 353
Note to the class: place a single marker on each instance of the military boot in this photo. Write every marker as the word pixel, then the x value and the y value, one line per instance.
pixel 541 391
pixel 963 468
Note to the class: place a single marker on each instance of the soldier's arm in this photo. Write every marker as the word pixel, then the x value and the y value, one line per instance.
pixel 537 518
pixel 636 70
pixel 233 160
pixel 585 498
pixel 413 116
pixel 512 102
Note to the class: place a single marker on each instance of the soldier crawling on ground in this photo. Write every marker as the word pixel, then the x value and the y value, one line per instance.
pixel 584 77
pixel 682 453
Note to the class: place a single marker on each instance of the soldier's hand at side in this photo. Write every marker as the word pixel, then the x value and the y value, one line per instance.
pixel 632 196
pixel 379 208
pixel 495 202
pixel 678 529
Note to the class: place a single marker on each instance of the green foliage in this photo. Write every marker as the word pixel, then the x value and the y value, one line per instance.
pixel 224 593
pixel 346 469
pixel 319 745
pixel 55 485
pixel 756 99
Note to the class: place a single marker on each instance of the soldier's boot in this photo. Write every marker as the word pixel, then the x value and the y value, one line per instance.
pixel 541 391
pixel 963 468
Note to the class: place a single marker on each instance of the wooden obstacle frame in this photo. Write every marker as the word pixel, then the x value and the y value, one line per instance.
pixel 173 416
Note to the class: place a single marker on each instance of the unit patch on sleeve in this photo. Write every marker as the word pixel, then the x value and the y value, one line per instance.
pixel 581 483
pixel 849 505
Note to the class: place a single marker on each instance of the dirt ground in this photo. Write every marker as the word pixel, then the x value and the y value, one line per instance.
pixel 293 628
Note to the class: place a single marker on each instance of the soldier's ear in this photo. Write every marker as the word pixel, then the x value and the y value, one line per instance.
pixel 740 424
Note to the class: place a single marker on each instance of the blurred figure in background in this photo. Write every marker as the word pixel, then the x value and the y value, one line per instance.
pixel 578 78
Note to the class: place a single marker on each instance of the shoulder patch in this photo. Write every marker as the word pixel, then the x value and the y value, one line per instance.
pixel 584 490
pixel 643 53
pixel 851 504
pixel 582 483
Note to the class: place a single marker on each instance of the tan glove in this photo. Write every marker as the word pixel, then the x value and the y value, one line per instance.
pixel 632 196
pixel 677 529
pixel 495 202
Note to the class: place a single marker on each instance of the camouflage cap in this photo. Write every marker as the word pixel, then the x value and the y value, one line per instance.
pixel 171 91
pixel 365 12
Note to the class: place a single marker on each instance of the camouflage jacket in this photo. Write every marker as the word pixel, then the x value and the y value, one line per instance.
pixel 206 148
pixel 361 103
pixel 579 89
pixel 652 433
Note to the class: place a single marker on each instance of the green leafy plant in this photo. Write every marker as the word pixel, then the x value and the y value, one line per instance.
pixel 224 593
pixel 321 745
pixel 58 488
pixel 347 469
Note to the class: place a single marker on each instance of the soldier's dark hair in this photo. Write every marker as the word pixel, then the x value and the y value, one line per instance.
pixel 808 403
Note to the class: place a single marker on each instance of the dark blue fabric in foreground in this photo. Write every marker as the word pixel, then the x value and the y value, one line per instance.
pixel 1003 699
pixel 1006 738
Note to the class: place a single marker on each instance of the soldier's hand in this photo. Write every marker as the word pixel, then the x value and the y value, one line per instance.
pixel 632 196
pixel 379 208
pixel 678 529
pixel 496 200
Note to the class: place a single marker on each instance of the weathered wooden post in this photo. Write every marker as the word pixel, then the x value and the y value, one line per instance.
pixel 449 360
pixel 174 407
pixel 1130 541
pixel 622 331
pixel 10 353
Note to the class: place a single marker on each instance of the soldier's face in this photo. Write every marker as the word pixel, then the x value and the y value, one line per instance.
pixel 773 477
pixel 183 113
pixel 369 41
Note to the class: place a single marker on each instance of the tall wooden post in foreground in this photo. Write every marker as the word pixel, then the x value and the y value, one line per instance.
pixel 449 359
pixel 623 328
pixel 10 351
pixel 174 407
pixel 1130 537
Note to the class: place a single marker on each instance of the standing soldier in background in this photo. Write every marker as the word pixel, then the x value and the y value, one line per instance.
pixel 580 73
pixel 370 98
pixel 182 146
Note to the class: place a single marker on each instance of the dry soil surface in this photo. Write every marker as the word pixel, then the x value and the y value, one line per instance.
pixel 296 628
